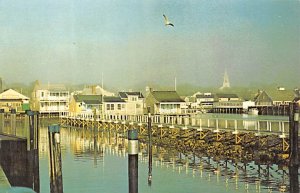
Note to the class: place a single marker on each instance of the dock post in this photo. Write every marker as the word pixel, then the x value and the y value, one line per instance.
pixel 294 149
pixel 133 160
pixel 56 184
pixel 1 120
pixel 13 122
pixel 33 147
pixel 293 132
pixel 149 149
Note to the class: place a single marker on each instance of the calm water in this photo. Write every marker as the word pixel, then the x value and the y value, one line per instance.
pixel 99 164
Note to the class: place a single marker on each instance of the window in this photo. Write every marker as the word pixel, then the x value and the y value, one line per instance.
pixel 112 107
pixel 108 106
pixel 42 94
pixel 119 106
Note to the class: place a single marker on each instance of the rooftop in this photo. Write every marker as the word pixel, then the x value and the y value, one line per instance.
pixel 166 96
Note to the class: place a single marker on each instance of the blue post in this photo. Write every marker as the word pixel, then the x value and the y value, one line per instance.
pixel 133 160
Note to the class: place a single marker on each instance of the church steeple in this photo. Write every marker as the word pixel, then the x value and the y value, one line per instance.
pixel 226 83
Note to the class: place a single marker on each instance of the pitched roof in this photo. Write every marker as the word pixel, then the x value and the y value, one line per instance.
pixel 12 94
pixel 281 95
pixel 88 99
pixel 166 96
pixel 113 99
pixel 52 87
pixel 205 96
pixel 125 94
pixel 224 95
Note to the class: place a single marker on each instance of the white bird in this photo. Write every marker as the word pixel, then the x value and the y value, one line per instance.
pixel 167 22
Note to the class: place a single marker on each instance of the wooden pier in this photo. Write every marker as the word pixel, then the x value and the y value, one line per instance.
pixel 238 138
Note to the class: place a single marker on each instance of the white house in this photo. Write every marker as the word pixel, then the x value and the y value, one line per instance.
pixel 165 102
pixel 134 102
pixel 50 98
pixel 11 99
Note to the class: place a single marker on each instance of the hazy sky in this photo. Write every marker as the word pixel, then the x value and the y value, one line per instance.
pixel 76 41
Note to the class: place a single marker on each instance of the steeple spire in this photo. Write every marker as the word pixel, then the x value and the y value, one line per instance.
pixel 226 83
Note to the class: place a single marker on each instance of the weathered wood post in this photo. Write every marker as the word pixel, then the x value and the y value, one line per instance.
pixel 33 148
pixel 293 133
pixel 13 121
pixel 1 120
pixel 149 148
pixel 133 160
pixel 294 149
pixel 56 183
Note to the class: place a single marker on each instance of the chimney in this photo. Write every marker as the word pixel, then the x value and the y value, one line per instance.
pixel 93 89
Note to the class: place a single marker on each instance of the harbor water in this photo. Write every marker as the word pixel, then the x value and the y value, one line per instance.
pixel 98 163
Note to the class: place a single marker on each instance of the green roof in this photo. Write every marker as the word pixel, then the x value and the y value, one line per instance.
pixel 88 99
pixel 281 95
pixel 166 96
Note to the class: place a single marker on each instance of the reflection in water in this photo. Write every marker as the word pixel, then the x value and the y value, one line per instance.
pixel 85 146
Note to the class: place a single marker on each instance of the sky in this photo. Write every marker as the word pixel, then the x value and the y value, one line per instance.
pixel 76 41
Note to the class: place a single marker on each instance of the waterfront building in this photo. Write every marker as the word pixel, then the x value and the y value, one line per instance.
pixel 274 97
pixel 50 98
pixel 85 103
pixel 205 100
pixel 113 105
pixel 134 102
pixel 11 99
pixel 165 102
pixel 227 103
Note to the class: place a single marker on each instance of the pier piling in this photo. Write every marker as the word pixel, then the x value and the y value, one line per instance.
pixel 294 149
pixel 33 147
pixel 13 121
pixel 293 132
pixel 149 149
pixel 133 160
pixel 56 184
pixel 1 120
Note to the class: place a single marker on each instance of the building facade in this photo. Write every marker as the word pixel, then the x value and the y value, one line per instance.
pixel 165 102
pixel 11 99
pixel 50 98
pixel 134 102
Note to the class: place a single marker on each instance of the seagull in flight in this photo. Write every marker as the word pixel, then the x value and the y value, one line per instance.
pixel 167 22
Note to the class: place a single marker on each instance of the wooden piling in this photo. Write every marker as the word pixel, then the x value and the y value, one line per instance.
pixel 133 160
pixel 1 120
pixel 293 134
pixel 33 147
pixel 149 149
pixel 56 183
pixel 13 130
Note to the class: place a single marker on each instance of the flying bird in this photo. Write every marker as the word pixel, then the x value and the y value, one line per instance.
pixel 167 22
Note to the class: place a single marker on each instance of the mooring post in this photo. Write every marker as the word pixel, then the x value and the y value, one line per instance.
pixel 294 150
pixel 1 120
pixel 56 184
pixel 133 160
pixel 293 133
pixel 13 122
pixel 149 149
pixel 33 148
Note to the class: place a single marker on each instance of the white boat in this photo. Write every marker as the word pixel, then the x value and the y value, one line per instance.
pixel 253 111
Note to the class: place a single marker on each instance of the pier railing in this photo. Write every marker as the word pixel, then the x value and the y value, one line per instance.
pixel 199 122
